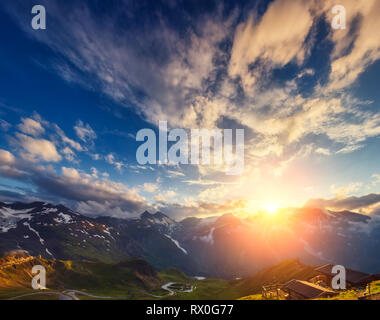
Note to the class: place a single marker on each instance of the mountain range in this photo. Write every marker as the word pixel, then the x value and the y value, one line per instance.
pixel 222 246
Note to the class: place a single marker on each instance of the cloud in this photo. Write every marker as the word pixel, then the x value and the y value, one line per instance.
pixel 346 203
pixel 275 39
pixel 150 187
pixel 202 208
pixel 69 154
pixel 97 197
pixel 31 127
pixel 202 182
pixel 173 173
pixel 36 149
pixel 94 172
pixel 356 47
pixel 110 158
pixel 6 157
pixel 4 125
pixel 84 132
pixel 377 179
pixel 341 192
pixel 306 72
pixel 73 144
pixel 323 151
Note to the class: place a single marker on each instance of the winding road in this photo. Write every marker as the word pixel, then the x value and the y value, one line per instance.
pixel 61 295
pixel 71 294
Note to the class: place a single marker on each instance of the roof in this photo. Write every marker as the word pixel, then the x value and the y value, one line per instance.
pixel 352 276
pixel 307 289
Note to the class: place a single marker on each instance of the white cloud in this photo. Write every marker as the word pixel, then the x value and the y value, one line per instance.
pixel 31 127
pixel 73 144
pixel 34 149
pixel 276 39
pixel 6 157
pixel 365 42
pixel 69 154
pixel 323 151
pixel 84 132
pixel 341 192
pixel 110 158
pixel 150 187
pixel 94 172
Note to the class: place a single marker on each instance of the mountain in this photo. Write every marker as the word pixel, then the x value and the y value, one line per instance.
pixel 233 247
pixel 221 246
pixel 56 232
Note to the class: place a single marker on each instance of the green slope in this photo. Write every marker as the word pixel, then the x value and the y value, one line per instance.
pixel 130 278
pixel 280 273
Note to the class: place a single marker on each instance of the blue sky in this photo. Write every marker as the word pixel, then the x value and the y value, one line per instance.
pixel 73 96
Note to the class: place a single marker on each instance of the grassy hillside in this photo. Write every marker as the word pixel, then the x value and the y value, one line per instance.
pixel 131 278
pixel 280 273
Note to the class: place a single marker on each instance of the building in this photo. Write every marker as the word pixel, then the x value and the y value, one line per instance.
pixel 353 278
pixel 301 290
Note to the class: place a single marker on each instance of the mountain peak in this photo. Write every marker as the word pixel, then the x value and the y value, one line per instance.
pixel 146 215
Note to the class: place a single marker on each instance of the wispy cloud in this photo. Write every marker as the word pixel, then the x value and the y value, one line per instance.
pixel 85 132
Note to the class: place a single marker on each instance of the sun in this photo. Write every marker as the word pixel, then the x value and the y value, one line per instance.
pixel 270 208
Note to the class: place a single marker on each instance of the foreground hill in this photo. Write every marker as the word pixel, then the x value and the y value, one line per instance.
pixel 280 273
pixel 134 274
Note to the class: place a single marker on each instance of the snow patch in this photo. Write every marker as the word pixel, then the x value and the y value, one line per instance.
pixel 9 218
pixel 35 231
pixel 48 252
pixel 176 243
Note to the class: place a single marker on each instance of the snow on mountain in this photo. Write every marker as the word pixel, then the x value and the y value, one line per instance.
pixel 9 217
pixel 176 243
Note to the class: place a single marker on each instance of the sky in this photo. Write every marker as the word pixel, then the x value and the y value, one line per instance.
pixel 74 96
